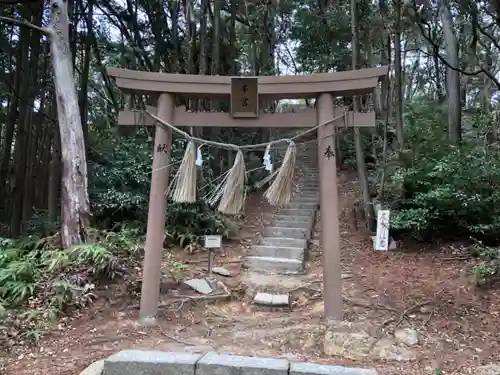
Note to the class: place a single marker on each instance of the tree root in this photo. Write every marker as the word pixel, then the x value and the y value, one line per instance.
pixel 403 315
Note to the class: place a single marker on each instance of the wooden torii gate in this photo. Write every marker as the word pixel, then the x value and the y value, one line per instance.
pixel 244 94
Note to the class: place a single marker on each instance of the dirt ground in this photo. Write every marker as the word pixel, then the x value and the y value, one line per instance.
pixel 458 323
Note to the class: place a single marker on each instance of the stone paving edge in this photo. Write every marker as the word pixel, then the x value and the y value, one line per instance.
pixel 149 362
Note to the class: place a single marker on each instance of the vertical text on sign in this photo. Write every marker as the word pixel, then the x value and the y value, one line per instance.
pixel 244 97
pixel 382 238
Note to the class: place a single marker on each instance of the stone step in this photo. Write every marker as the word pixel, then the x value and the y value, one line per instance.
pixel 293 224
pixel 302 205
pixel 272 300
pixel 284 242
pixel 298 212
pixel 304 199
pixel 296 253
pixel 311 199
pixel 306 195
pixel 287 232
pixel 308 184
pixel 279 265
pixel 294 218
pixel 300 191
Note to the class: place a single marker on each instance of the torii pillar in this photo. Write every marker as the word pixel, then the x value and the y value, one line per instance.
pixel 330 232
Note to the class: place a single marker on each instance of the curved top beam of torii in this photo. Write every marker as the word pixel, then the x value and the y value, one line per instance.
pixel 346 83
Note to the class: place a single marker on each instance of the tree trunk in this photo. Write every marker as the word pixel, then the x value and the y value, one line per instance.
pixel 203 51
pixel 84 79
pixel 453 79
pixel 5 177
pixel 75 207
pixel 398 71
pixel 437 72
pixel 54 187
pixel 360 159
pixel 215 68
pixel 23 126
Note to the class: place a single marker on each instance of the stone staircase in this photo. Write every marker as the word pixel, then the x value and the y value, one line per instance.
pixel 283 246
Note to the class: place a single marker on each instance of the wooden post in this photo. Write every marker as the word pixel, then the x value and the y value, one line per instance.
pixel 156 215
pixel 330 232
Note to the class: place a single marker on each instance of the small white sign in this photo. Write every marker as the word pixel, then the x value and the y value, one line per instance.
pixel 382 238
pixel 213 241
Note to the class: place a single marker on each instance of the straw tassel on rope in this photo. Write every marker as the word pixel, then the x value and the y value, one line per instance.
pixel 233 191
pixel 185 178
pixel 280 191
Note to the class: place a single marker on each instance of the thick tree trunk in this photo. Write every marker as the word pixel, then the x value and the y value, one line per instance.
pixel 75 207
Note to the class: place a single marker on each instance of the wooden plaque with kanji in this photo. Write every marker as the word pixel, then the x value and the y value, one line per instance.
pixel 244 97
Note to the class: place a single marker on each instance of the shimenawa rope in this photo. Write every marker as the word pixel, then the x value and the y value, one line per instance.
pixel 230 192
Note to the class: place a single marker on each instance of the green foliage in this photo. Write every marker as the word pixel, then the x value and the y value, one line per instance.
pixel 439 189
pixel 322 33
pixel 487 269
pixel 120 181
pixel 186 223
pixel 38 282
pixel 120 175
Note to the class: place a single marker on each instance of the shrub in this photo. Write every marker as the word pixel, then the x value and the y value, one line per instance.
pixel 119 189
pixel 438 189
pixel 39 283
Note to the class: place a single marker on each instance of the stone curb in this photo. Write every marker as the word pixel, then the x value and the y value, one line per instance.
pixel 141 362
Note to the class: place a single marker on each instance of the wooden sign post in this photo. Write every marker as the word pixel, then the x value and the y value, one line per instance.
pixel 382 238
pixel 244 97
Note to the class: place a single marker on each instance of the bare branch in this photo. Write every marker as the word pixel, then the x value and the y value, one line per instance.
pixel 443 60
pixel 24 23
pixel 482 30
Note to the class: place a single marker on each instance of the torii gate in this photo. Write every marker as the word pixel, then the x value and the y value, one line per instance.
pixel 245 93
